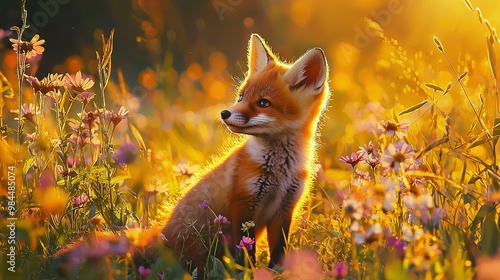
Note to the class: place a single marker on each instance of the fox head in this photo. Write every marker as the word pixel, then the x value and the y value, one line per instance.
pixel 276 97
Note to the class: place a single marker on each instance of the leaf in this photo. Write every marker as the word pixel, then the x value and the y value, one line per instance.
pixel 434 87
pixel 479 15
pixel 478 142
pixel 27 164
pixel 118 179
pixel 414 107
pixel 448 88
pixel 492 56
pixel 463 75
pixel 138 137
pixel 438 44
pixel 468 4
pixel 491 236
pixel 496 131
pixel 481 214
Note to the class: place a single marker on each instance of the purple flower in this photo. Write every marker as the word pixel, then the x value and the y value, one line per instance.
pixel 397 245
pixel 222 220
pixel 340 270
pixel 362 175
pixel 396 155
pixel 116 118
pixel 143 271
pixel 204 204
pixel 352 160
pixel 246 242
pixel 79 200
pixel 125 154
pixel 85 96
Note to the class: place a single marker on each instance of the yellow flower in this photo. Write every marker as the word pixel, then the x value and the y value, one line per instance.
pixel 77 84
pixel 31 48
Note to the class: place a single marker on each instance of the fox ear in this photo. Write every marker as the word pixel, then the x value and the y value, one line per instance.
pixel 259 55
pixel 308 71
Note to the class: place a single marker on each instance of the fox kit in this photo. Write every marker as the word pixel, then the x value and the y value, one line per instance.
pixel 263 179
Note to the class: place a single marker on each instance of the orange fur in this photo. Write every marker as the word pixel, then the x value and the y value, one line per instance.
pixel 267 176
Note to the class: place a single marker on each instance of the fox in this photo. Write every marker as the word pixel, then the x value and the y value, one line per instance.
pixel 267 176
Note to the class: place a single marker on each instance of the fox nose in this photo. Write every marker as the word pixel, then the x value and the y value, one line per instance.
pixel 225 114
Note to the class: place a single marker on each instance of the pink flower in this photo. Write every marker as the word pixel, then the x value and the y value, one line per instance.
pixel 221 220
pixel 362 175
pixel 396 154
pixel 143 271
pixel 85 96
pixel 76 84
pixel 31 48
pixel 354 159
pixel 370 149
pixel 246 242
pixel 28 112
pixel 393 128
pixel 339 270
pixel 79 200
pixel 116 118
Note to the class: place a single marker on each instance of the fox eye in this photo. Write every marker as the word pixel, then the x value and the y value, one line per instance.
pixel 240 98
pixel 263 103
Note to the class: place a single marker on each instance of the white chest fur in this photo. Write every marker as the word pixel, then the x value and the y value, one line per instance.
pixel 279 186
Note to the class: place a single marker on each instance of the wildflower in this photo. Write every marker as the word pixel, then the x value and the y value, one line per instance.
pixel 370 149
pixel 437 215
pixel 116 118
pixel 392 128
pixel 27 112
pixel 185 169
pixel 363 175
pixel 339 270
pixel 48 84
pixel 204 204
pixel 55 96
pixel 247 225
pixel 353 208
pixel 31 48
pixel 125 154
pixel 398 245
pixel 221 220
pixel 373 232
pixel 411 234
pixel 79 200
pixel 396 154
pixel 423 254
pixel 77 84
pixel 85 96
pixel 372 160
pixel 354 159
pixel 143 271
pixel 246 242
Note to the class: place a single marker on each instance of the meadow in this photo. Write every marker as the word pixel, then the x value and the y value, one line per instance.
pixel 408 184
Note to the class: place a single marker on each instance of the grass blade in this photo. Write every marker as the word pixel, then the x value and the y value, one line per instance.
pixel 414 107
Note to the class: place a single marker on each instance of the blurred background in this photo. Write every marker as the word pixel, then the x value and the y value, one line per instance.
pixel 187 56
